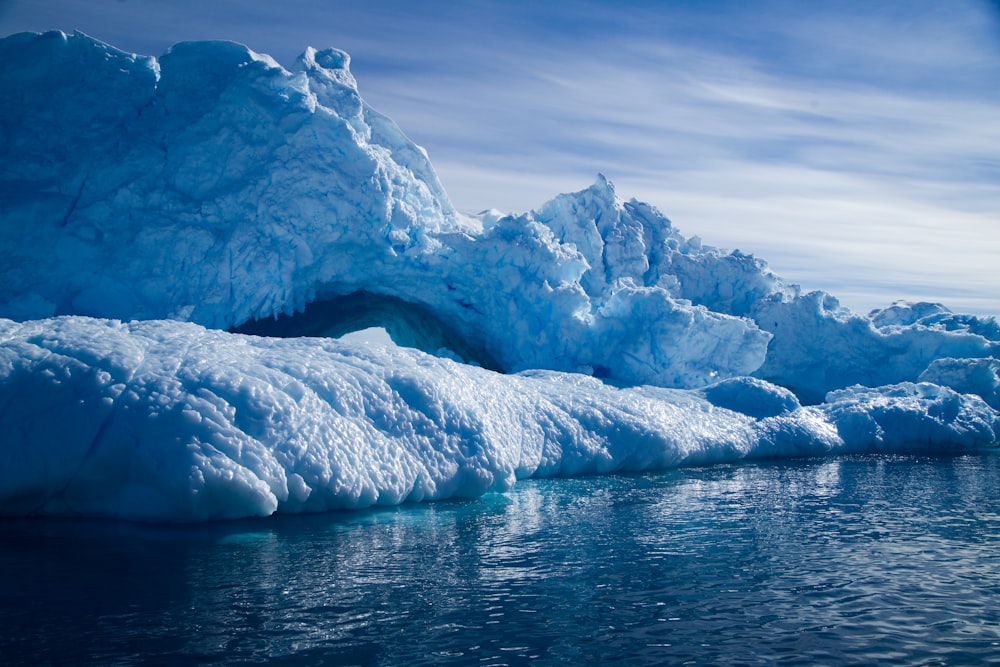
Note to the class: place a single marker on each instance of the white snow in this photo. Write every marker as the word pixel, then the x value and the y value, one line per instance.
pixel 213 188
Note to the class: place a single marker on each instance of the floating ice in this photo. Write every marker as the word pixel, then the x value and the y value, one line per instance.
pixel 214 188
pixel 164 420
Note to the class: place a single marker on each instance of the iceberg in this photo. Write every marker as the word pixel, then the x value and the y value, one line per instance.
pixel 166 420
pixel 184 239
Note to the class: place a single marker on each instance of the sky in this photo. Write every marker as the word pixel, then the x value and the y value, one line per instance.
pixel 853 145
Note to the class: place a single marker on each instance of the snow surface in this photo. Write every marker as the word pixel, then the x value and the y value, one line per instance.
pixel 168 420
pixel 211 193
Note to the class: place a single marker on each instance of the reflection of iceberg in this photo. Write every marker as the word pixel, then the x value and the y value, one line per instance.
pixel 214 186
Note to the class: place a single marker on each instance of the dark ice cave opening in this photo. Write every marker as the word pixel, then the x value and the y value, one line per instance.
pixel 408 324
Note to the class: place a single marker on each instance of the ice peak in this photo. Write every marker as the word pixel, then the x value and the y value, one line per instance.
pixel 223 52
pixel 597 202
pixel 330 58
pixel 329 66
pixel 603 186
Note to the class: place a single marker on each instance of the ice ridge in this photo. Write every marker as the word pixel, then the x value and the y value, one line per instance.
pixel 169 421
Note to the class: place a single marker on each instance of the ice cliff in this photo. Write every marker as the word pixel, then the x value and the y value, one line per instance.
pixel 211 194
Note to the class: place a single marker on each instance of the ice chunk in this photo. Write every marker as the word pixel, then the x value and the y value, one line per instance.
pixel 169 421
pixel 910 416
pixel 752 396
pixel 904 313
pixel 819 347
pixel 968 376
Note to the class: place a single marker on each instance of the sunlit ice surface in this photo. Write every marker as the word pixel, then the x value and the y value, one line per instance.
pixel 850 560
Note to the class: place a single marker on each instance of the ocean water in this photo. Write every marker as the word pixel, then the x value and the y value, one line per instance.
pixel 860 560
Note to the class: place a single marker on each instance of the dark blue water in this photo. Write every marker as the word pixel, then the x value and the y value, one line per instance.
pixel 833 562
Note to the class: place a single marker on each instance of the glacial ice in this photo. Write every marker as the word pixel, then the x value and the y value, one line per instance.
pixel 182 239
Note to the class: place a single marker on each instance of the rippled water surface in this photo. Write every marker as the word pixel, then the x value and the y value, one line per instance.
pixel 843 561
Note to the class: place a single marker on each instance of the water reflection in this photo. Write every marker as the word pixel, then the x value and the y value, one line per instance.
pixel 834 562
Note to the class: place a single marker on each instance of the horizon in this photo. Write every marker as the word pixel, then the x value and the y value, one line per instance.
pixel 852 148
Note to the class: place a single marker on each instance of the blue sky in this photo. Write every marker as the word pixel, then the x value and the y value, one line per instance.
pixel 853 145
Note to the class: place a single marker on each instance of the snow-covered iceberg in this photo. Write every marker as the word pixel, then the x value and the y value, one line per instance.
pixel 211 194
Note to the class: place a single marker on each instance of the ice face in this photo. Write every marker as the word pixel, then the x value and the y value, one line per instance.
pixel 227 189
pixel 213 188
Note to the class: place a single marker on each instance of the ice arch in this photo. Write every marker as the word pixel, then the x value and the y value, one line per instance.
pixel 408 324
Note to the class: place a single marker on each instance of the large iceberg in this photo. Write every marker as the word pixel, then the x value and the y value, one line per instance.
pixel 182 239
